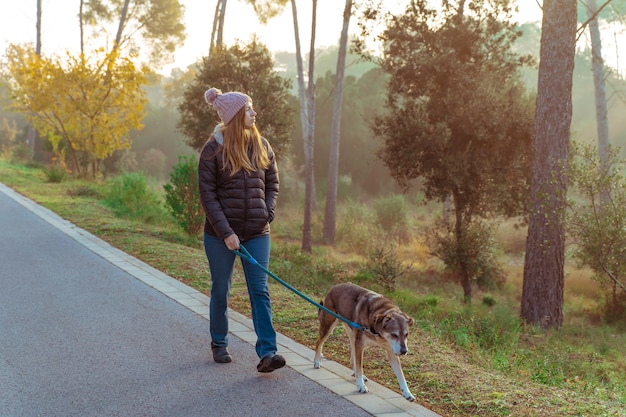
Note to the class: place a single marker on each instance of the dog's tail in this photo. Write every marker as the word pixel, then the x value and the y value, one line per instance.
pixel 319 310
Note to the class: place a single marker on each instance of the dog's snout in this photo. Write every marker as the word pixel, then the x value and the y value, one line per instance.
pixel 403 350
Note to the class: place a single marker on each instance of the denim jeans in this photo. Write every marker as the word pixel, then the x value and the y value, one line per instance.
pixel 221 264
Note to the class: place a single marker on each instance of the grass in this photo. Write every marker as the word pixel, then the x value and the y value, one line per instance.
pixel 477 360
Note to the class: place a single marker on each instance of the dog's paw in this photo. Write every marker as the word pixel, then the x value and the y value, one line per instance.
pixel 317 362
pixel 361 388
pixel 409 396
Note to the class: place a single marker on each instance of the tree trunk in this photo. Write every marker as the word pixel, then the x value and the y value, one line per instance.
pixel 459 229
pixel 120 28
pixel 542 293
pixel 81 24
pixel 300 67
pixel 330 217
pixel 216 18
pixel 309 198
pixel 602 121
pixel 220 28
pixel 31 134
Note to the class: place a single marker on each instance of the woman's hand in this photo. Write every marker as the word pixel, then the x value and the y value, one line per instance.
pixel 232 242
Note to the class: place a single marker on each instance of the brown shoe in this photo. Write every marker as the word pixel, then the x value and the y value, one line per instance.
pixel 221 355
pixel 270 363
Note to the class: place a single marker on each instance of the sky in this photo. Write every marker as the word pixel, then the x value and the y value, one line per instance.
pixel 60 30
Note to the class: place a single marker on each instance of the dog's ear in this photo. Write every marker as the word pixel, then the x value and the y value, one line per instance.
pixel 379 320
pixel 409 319
pixel 382 319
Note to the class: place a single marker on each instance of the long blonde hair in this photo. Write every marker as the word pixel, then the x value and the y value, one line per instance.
pixel 243 147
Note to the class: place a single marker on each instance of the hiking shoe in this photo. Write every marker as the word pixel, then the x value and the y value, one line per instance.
pixel 221 355
pixel 270 363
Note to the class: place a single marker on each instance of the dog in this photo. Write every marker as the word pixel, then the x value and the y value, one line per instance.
pixel 387 327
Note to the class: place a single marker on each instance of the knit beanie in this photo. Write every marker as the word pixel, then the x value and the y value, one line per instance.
pixel 226 104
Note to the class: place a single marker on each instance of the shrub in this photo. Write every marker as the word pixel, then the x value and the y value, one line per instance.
pixel 19 153
pixel 82 191
pixel 302 270
pixel 55 173
pixel 392 214
pixel 354 228
pixel 477 251
pixel 489 301
pixel 129 195
pixel 181 195
pixel 387 269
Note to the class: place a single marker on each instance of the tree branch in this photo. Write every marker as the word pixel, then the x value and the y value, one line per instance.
pixel 582 27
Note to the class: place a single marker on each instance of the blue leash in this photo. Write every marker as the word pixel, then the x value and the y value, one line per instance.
pixel 244 254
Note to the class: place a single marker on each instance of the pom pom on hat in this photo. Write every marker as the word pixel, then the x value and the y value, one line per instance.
pixel 226 104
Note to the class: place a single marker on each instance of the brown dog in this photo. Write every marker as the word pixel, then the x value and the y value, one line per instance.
pixel 387 326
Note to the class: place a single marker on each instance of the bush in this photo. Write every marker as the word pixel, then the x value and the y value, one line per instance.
pixel 387 268
pixel 55 173
pixel 82 191
pixel 19 153
pixel 181 196
pixel 129 195
pixel 355 229
pixel 477 251
pixel 392 215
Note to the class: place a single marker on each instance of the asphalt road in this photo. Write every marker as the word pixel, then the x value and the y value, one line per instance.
pixel 80 336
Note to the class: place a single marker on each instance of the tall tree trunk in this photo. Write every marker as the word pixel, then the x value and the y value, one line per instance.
pixel 309 198
pixel 216 18
pixel 330 218
pixel 31 134
pixel 220 28
pixel 300 68
pixel 542 293
pixel 81 24
pixel 602 120
pixel 120 28
pixel 460 229
pixel 38 45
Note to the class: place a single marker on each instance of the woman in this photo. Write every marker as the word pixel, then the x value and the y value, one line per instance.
pixel 238 180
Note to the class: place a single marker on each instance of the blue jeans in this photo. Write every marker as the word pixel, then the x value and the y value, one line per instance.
pixel 221 264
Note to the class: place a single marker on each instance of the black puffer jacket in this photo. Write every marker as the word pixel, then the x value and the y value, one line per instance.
pixel 243 203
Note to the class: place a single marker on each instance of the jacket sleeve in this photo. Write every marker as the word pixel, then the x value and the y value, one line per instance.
pixel 208 177
pixel 271 184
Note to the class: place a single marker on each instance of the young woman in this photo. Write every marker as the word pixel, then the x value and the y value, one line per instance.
pixel 238 181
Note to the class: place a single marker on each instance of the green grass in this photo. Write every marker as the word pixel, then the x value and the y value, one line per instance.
pixel 477 360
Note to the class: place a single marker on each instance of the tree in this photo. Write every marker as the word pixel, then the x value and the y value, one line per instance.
pixel 246 68
pixel 156 24
pixel 330 218
pixel 456 114
pixel 597 217
pixel 602 120
pixel 542 292
pixel 85 106
pixel 266 9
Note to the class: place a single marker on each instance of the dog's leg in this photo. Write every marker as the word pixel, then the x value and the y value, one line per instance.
pixel 351 335
pixel 357 355
pixel 397 368
pixel 327 325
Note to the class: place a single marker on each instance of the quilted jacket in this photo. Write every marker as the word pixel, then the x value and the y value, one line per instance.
pixel 243 203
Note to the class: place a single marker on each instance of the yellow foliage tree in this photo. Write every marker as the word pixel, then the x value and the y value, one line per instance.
pixel 86 105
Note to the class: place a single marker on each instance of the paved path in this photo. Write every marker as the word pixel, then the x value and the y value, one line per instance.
pixel 87 330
